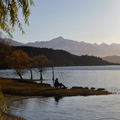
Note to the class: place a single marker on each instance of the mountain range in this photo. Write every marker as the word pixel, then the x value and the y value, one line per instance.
pixel 75 47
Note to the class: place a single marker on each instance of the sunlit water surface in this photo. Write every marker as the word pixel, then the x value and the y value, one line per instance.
pixel 73 108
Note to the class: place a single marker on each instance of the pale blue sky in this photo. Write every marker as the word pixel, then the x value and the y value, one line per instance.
pixel 92 21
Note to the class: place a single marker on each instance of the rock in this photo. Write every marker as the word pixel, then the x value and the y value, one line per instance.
pixel 92 88
pixel 76 87
pixel 101 89
pixel 86 88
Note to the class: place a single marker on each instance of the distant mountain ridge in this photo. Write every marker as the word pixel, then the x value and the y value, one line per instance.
pixel 112 59
pixel 13 42
pixel 76 48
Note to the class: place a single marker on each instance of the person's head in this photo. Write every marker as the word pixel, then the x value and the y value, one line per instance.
pixel 56 79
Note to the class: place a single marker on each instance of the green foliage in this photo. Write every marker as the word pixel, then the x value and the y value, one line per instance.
pixel 9 14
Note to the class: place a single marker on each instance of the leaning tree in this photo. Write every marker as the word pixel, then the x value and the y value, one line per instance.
pixel 18 61
pixel 9 17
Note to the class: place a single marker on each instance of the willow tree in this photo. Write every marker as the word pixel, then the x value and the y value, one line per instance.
pixel 9 14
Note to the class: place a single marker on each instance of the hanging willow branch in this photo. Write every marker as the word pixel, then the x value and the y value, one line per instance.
pixel 9 14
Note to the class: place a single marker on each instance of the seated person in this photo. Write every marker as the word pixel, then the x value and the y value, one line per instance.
pixel 59 85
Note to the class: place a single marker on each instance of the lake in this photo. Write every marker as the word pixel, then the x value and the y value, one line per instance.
pixel 73 108
pixel 68 108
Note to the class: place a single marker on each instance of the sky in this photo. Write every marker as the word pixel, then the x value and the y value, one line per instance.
pixel 91 21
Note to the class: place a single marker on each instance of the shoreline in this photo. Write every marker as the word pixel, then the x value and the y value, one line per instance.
pixel 10 98
pixel 16 89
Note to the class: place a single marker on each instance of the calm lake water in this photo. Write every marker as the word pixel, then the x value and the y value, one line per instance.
pixel 74 108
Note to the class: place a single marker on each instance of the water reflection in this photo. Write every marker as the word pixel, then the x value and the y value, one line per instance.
pixel 57 98
pixel 68 108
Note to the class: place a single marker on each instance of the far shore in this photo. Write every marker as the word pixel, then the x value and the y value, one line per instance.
pixel 16 89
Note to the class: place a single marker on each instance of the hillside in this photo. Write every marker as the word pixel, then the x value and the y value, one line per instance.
pixel 113 59
pixel 63 58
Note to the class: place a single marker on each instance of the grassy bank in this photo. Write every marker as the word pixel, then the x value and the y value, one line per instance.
pixel 14 89
pixel 29 88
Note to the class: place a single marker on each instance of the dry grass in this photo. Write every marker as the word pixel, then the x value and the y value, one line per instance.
pixel 30 88
pixel 22 87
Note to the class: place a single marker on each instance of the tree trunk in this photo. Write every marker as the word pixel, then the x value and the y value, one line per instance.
pixel 41 78
pixel 31 77
pixel 20 76
pixel 53 75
